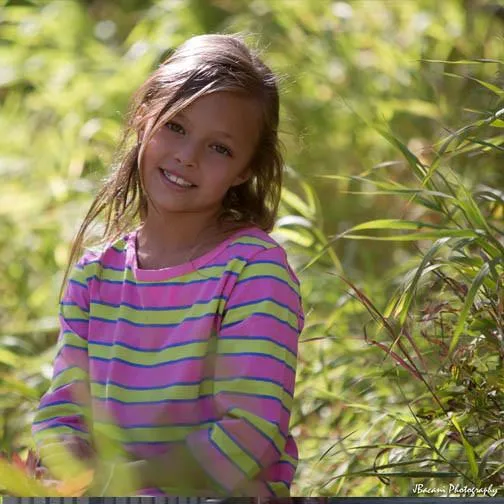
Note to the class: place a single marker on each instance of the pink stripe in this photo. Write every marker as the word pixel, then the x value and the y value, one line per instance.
pixel 63 421
pixel 75 292
pixel 187 413
pixel 159 295
pixel 291 448
pixel 193 412
pixel 79 327
pixel 71 357
pixel 129 375
pixel 231 366
pixel 103 332
pixel 279 472
pixel 268 409
pixel 264 326
pixel 148 338
pixel 76 392
pixel 254 290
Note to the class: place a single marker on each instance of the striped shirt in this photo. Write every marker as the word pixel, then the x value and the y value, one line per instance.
pixel 203 353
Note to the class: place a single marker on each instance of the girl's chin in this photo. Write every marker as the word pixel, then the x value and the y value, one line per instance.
pixel 171 210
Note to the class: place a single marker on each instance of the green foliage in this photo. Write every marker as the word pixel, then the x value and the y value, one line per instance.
pixel 437 413
pixel 392 213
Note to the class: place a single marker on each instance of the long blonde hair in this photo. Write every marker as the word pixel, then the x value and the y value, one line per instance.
pixel 202 65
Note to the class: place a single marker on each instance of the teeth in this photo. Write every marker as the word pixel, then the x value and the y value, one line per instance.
pixel 177 180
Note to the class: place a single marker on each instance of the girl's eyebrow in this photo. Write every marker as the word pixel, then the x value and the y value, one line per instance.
pixel 181 115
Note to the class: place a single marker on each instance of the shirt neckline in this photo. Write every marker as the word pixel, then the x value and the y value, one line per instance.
pixel 180 269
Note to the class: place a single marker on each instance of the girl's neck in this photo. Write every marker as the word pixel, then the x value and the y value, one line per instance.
pixel 162 242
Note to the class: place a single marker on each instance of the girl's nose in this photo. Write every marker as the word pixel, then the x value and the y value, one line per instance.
pixel 187 154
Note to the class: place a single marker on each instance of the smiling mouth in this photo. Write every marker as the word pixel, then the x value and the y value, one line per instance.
pixel 178 181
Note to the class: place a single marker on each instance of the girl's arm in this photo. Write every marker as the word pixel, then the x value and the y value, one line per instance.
pixel 61 417
pixel 254 378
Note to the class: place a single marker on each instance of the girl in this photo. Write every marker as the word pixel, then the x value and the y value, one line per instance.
pixel 182 330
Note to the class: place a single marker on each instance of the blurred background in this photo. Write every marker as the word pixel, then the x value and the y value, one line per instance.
pixel 392 115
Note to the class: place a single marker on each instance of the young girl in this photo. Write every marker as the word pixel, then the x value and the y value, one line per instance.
pixel 182 330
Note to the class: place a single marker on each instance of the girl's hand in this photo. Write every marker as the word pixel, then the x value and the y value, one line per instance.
pixel 61 457
pixel 114 479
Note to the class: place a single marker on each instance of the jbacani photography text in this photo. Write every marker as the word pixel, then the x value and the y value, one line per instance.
pixel 459 490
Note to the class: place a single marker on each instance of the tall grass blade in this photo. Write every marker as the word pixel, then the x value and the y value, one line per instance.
pixel 491 87
pixel 410 291
pixel 428 235
pixel 471 295
pixel 469 450
pixel 490 451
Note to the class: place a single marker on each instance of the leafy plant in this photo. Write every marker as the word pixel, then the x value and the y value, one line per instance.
pixel 442 330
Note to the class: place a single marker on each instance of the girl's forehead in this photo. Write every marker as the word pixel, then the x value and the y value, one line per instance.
pixel 225 101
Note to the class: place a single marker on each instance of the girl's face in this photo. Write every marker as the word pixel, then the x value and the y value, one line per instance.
pixel 191 161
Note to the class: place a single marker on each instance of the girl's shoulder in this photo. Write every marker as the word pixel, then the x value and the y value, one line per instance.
pixel 249 242
pixel 256 247
pixel 252 239
pixel 111 254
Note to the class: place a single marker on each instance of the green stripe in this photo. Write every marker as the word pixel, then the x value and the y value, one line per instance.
pixel 287 458
pixel 68 376
pixel 189 392
pixel 243 345
pixel 111 274
pixel 74 312
pixel 127 395
pixel 264 306
pixel 253 387
pixel 146 316
pixel 279 489
pixel 59 410
pixel 56 432
pixel 235 265
pixel 120 244
pixel 270 430
pixel 252 240
pixel 71 338
pixel 275 270
pixel 150 358
pixel 213 273
pixel 80 275
pixel 244 461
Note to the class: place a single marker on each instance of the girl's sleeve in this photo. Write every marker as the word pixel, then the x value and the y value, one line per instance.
pixel 254 375
pixel 63 410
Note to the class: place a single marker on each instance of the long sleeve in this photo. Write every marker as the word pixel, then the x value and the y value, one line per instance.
pixel 254 377
pixel 64 408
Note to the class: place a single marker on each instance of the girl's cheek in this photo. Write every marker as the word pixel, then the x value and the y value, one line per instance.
pixel 159 142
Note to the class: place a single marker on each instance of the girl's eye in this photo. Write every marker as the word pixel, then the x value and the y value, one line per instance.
pixel 174 127
pixel 221 149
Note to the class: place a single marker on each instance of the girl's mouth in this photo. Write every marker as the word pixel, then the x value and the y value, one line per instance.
pixel 176 180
